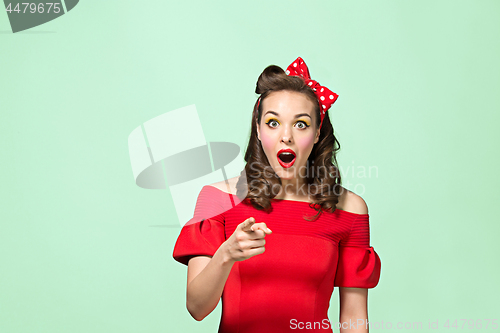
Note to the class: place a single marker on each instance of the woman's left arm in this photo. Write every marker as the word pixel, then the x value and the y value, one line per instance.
pixel 353 310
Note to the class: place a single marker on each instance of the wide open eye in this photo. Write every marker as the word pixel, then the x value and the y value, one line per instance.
pixel 273 123
pixel 302 124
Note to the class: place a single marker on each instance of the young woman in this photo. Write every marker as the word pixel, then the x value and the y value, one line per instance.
pixel 295 232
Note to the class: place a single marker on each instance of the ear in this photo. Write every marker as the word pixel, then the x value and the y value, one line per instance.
pixel 317 135
pixel 258 130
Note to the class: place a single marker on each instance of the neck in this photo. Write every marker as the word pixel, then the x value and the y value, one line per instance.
pixel 293 188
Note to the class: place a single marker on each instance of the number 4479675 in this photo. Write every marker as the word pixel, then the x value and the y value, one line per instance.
pixel 472 324
pixel 34 8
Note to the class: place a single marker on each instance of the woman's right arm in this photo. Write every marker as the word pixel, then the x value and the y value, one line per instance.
pixel 207 276
pixel 206 279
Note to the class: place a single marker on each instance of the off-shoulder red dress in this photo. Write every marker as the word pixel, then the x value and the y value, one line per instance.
pixel 291 283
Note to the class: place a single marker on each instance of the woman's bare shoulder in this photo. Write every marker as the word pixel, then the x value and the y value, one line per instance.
pixel 227 186
pixel 351 202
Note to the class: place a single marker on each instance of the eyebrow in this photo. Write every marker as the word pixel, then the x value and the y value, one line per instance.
pixel 296 116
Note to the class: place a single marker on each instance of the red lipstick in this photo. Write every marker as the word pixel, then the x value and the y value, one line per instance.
pixel 288 156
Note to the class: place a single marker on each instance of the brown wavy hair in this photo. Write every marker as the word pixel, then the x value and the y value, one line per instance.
pixel 262 183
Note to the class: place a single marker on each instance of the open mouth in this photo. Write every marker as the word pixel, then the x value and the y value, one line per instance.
pixel 286 157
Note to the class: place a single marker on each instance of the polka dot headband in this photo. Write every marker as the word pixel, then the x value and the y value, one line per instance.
pixel 325 96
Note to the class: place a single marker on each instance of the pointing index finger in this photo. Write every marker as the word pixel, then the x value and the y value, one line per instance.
pixel 248 226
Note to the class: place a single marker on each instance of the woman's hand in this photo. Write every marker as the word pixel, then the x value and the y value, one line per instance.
pixel 207 276
pixel 247 240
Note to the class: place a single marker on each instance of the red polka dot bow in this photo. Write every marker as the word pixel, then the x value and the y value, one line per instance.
pixel 326 97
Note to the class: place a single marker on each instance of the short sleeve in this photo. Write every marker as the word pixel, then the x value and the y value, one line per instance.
pixel 358 265
pixel 204 233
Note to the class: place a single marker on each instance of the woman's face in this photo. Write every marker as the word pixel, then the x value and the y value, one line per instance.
pixel 287 131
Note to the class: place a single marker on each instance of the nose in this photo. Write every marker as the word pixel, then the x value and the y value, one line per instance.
pixel 286 135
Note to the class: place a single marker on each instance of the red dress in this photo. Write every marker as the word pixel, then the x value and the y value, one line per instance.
pixel 290 285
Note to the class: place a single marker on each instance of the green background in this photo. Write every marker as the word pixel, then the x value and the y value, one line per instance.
pixel 418 86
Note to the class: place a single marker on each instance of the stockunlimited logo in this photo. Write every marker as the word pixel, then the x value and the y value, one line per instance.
pixel 26 15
